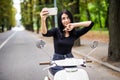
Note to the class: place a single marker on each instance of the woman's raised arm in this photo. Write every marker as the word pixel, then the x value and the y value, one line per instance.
pixel 43 15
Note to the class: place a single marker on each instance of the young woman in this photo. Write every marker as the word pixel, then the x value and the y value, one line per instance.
pixel 65 35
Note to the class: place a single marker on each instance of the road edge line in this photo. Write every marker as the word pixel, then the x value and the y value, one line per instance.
pixel 7 40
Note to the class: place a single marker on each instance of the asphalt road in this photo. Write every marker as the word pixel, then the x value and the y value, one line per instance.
pixel 19 59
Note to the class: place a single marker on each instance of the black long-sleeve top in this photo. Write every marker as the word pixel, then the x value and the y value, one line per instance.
pixel 64 45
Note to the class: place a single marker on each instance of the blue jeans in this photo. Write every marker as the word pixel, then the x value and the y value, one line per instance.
pixel 56 56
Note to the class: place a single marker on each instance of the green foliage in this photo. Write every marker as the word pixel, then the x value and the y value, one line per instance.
pixel 7 14
pixel 98 10
pixel 95 10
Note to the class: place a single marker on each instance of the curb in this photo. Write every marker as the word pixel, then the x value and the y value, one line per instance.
pixel 100 62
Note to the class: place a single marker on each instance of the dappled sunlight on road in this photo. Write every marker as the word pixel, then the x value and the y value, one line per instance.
pixel 18 28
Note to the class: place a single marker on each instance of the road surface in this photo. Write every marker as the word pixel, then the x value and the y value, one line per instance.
pixel 19 59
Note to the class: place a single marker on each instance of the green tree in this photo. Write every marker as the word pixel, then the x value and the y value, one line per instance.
pixel 27 14
pixel 7 14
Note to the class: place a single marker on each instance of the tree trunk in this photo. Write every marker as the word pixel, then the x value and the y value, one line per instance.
pixel 87 10
pixel 38 25
pixel 114 30
pixel 31 16
pixel 2 28
pixel 75 10
pixel 107 15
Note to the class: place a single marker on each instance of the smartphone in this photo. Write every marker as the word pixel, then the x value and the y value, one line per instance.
pixel 52 11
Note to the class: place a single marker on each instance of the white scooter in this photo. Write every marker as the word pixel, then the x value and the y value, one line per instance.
pixel 72 73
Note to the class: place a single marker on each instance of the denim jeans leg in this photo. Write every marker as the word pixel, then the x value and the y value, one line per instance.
pixel 56 56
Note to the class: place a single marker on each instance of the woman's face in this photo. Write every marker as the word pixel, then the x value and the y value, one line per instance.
pixel 65 19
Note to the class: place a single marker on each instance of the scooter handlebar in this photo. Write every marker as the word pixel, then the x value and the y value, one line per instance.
pixel 44 63
pixel 88 61
pixel 67 62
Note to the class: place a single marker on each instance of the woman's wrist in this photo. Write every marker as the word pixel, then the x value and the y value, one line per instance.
pixel 43 19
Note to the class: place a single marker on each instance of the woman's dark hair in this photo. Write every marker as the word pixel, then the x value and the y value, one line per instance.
pixel 60 25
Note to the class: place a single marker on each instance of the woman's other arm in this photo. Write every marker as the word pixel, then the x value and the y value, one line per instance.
pixel 78 24
pixel 84 24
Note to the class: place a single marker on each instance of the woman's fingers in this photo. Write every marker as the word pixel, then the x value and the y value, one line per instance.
pixel 69 27
pixel 44 12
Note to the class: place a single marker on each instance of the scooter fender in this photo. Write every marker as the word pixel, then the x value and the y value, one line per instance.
pixel 78 74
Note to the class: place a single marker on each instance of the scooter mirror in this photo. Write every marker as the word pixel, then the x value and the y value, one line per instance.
pixel 94 44
pixel 40 43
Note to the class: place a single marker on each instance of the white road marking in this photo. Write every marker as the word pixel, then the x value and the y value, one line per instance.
pixel 7 40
